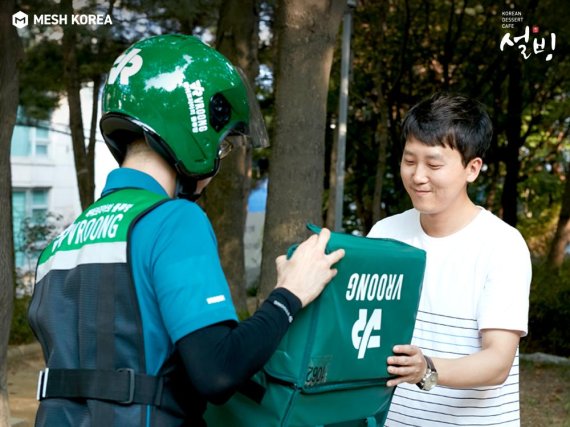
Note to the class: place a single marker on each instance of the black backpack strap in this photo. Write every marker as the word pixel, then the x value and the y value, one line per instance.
pixel 122 386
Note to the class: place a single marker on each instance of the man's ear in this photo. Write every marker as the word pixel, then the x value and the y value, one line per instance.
pixel 473 168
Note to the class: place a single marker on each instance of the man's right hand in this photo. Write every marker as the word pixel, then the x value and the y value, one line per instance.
pixel 309 270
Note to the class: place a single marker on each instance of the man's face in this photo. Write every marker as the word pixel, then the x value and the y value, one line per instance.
pixel 435 177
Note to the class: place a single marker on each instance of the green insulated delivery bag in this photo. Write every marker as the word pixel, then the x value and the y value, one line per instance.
pixel 330 367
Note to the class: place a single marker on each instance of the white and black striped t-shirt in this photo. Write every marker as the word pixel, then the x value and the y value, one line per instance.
pixel 477 278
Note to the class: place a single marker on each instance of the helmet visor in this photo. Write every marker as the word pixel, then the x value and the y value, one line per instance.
pixel 256 132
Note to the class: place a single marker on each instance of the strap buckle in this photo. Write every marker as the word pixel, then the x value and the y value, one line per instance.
pixel 42 384
pixel 131 382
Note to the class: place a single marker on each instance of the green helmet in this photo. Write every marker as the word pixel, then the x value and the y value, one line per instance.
pixel 183 96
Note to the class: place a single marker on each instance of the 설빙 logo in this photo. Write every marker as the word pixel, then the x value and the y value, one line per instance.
pixel 19 19
pixel 366 326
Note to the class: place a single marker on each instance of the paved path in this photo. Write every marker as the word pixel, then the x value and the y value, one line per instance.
pixel 24 363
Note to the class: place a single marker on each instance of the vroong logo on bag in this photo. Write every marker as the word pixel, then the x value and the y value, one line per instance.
pixel 363 329
pixel 371 287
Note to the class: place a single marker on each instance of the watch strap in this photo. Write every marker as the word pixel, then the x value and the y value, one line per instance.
pixel 430 364
pixel 430 370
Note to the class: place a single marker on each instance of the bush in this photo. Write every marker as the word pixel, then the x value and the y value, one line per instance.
pixel 549 311
pixel 21 333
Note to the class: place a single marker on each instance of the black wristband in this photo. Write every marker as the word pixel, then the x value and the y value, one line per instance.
pixel 286 301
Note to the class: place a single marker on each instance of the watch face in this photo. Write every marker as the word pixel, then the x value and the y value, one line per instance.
pixel 430 381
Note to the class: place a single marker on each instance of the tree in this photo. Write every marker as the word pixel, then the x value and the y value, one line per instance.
pixel 84 156
pixel 306 32
pixel 85 54
pixel 74 55
pixel 35 234
pixel 10 58
pixel 405 51
pixel 226 197
pixel 561 238
pixel 514 142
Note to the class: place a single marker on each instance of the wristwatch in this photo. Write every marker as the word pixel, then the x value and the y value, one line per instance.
pixel 429 380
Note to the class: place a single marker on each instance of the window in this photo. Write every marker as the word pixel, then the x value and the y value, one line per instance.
pixel 21 141
pixel 30 141
pixel 18 215
pixel 42 142
pixel 39 205
pixel 28 205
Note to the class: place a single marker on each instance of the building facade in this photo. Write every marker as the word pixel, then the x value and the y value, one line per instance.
pixel 44 184
pixel 44 181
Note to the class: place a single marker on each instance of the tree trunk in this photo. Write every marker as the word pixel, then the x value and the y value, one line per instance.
pixel 381 138
pixel 331 205
pixel 85 173
pixel 226 197
pixel 90 158
pixel 509 198
pixel 562 236
pixel 382 132
pixel 306 33
pixel 11 55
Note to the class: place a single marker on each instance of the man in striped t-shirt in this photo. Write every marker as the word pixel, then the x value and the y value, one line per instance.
pixel 462 367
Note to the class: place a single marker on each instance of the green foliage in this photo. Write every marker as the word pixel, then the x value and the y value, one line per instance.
pixel 34 235
pixel 40 85
pixel 549 311
pixel 21 333
pixel 405 51
pixel 253 290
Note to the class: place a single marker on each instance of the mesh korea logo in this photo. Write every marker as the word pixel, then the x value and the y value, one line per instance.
pixel 362 337
pixel 20 19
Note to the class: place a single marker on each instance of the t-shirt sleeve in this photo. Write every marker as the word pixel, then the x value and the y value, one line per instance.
pixel 505 298
pixel 377 230
pixel 190 285
pixel 402 227
pixel 389 227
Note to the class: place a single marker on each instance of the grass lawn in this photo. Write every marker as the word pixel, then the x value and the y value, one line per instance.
pixel 545 395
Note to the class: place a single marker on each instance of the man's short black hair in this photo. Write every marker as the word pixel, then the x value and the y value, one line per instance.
pixel 450 120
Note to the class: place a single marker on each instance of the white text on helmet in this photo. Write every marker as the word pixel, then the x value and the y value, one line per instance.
pixel 194 95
